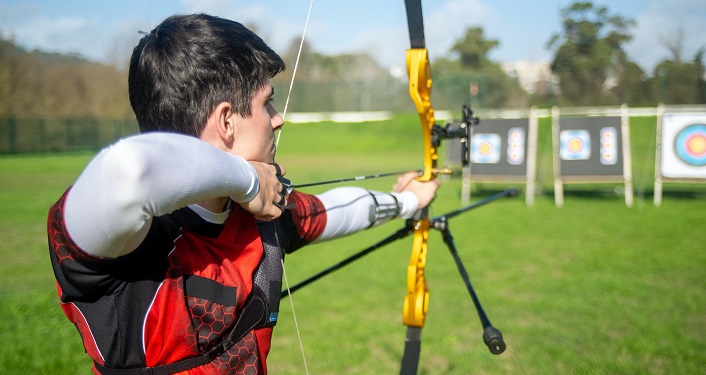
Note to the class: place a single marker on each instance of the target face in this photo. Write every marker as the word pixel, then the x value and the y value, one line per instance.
pixel 485 148
pixel 516 146
pixel 575 145
pixel 609 146
pixel 690 145
pixel 683 152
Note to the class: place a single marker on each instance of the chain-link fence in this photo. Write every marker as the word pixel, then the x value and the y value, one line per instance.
pixel 19 135
pixel 38 135
pixel 383 94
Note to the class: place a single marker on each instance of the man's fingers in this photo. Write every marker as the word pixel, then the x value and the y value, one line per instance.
pixel 271 200
pixel 282 204
pixel 279 170
pixel 404 180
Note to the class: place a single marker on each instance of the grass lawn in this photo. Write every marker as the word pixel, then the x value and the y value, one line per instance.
pixel 591 288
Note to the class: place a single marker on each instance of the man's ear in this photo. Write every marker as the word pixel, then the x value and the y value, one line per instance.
pixel 220 127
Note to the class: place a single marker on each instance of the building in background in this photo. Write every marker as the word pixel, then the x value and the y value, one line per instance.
pixel 535 77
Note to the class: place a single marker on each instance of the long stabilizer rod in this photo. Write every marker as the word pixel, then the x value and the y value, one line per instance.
pixel 401 233
pixel 492 337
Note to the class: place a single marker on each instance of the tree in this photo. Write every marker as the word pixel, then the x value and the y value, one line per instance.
pixel 588 52
pixel 681 82
pixel 37 84
pixel 675 44
pixel 677 81
pixel 700 75
pixel 473 49
pixel 470 72
pixel 344 82
pixel 635 87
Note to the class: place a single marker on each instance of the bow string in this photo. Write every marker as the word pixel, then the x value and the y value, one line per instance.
pixel 416 300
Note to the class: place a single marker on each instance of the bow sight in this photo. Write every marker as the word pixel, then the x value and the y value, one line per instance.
pixel 456 130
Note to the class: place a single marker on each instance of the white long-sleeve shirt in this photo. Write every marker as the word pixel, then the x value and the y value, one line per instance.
pixel 110 207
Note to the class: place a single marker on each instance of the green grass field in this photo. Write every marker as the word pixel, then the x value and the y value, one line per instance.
pixel 591 288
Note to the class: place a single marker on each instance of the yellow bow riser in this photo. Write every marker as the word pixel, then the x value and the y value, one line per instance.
pixel 417 298
pixel 419 72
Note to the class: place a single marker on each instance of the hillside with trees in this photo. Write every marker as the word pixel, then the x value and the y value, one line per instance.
pixel 39 84
pixel 589 67
pixel 594 69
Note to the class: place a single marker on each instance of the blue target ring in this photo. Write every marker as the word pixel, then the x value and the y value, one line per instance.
pixel 690 145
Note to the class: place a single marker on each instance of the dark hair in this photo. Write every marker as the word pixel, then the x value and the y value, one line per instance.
pixel 189 64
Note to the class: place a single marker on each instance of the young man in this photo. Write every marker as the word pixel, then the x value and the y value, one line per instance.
pixel 168 248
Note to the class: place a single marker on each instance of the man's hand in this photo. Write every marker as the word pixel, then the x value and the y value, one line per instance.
pixel 272 196
pixel 423 190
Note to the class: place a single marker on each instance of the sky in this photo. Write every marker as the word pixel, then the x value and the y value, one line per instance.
pixel 106 30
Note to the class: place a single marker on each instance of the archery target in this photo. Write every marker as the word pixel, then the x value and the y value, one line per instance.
pixel 690 145
pixel 609 146
pixel 516 146
pixel 485 148
pixel 498 149
pixel 575 145
pixel 684 145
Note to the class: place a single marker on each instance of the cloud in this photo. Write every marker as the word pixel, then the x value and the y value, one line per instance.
pixel 378 28
pixel 62 34
pixel 381 31
pixel 277 32
pixel 449 23
pixel 660 21
pixel 442 27
pixel 206 6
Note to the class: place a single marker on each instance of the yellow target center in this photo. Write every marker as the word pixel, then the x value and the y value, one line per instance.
pixel 575 145
pixel 697 145
pixel 485 148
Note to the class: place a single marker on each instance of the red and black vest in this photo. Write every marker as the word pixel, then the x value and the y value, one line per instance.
pixel 181 292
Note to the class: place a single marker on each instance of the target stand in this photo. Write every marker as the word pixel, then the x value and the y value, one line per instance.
pixel 502 150
pixel 681 147
pixel 591 149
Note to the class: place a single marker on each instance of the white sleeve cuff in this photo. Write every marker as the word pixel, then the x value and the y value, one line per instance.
pixel 409 204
